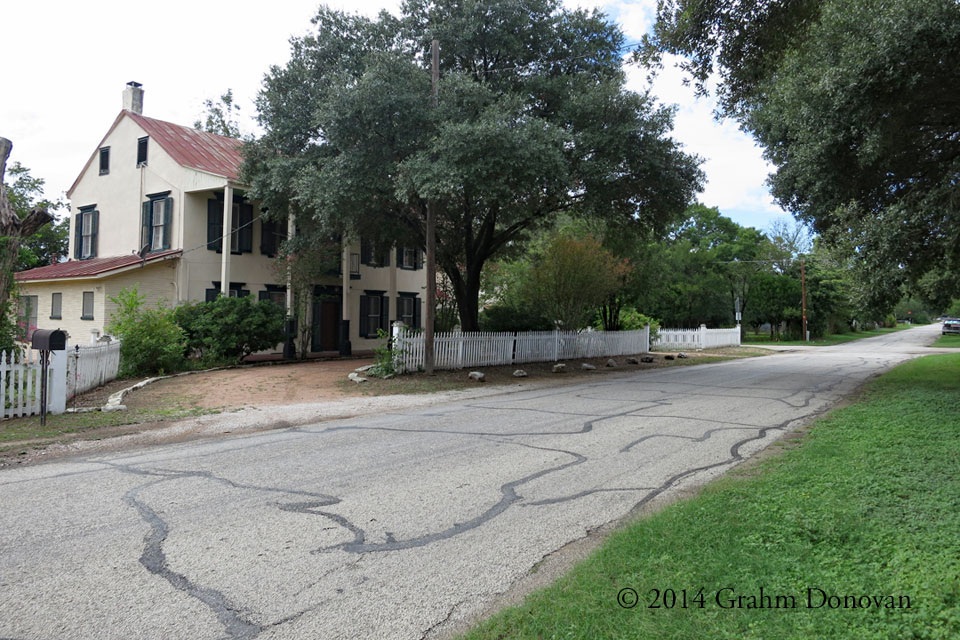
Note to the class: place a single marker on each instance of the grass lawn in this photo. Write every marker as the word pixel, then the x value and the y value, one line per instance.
pixel 867 504
pixel 951 340
pixel 833 338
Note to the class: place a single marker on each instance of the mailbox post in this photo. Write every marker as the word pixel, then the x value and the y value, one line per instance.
pixel 45 341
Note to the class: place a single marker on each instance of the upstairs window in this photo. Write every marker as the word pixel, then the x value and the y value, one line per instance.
pixel 241 226
pixel 372 255
pixel 155 222
pixel 142 151
pixel 409 258
pixel 104 161
pixel 85 228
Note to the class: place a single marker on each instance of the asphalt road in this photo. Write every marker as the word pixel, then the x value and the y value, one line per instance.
pixel 385 526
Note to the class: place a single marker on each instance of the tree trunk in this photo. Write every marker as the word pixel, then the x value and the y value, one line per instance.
pixel 12 228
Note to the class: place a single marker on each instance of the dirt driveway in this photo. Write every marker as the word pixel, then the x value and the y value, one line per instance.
pixel 265 385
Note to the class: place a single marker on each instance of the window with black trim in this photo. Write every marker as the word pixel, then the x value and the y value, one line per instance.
pixel 409 258
pixel 56 306
pixel 142 150
pixel 156 221
pixel 104 160
pixel 374 313
pixel 241 226
pixel 272 236
pixel 86 311
pixel 235 290
pixel 274 293
pixel 86 224
pixel 408 310
pixel 372 256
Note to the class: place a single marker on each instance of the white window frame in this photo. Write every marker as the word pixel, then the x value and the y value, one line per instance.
pixel 86 234
pixel 156 223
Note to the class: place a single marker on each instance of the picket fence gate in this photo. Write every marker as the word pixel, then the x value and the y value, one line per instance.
pixel 457 350
pixel 20 380
pixel 700 338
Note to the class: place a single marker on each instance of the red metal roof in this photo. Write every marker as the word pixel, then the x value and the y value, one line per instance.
pixel 189 147
pixel 87 268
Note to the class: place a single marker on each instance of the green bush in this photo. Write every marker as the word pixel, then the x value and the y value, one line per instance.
pixel 508 318
pixel 151 341
pixel 229 329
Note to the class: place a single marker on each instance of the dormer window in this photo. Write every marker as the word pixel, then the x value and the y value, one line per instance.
pixel 142 151
pixel 104 161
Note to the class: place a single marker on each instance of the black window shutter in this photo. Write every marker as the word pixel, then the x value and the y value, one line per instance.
pixel 417 304
pixel 399 256
pixel 366 253
pixel 146 237
pixel 94 228
pixel 211 294
pixel 167 219
pixel 385 313
pixel 245 238
pixel 268 238
pixel 384 259
pixel 214 224
pixel 363 325
pixel 78 236
pixel 419 262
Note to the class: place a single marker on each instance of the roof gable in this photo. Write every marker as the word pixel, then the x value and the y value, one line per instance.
pixel 187 147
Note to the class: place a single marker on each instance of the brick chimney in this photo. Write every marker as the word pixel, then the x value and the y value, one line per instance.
pixel 133 97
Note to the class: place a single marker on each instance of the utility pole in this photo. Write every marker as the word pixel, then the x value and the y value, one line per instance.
pixel 431 257
pixel 803 298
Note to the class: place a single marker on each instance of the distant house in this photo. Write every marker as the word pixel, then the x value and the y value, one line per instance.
pixel 160 206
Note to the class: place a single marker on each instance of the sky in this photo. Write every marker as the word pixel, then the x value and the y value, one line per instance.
pixel 68 62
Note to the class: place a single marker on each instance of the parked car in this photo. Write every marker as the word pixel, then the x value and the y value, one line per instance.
pixel 950 325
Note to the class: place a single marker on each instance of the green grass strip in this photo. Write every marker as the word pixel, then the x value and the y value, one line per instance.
pixel 825 341
pixel 868 504
pixel 950 340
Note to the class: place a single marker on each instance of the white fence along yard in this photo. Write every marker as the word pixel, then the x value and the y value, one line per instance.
pixel 457 350
pixel 701 338
pixel 20 379
pixel 90 366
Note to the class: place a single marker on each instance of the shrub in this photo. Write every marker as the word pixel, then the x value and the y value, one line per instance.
pixel 503 317
pixel 230 329
pixel 151 341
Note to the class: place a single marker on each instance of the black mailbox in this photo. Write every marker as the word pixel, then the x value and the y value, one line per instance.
pixel 49 340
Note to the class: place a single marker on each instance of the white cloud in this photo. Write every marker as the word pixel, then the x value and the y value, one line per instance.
pixel 734 164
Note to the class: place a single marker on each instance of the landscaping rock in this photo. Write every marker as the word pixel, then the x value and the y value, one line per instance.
pixel 633 361
pixel 646 359
pixel 611 362
pixel 356 377
pixel 682 355
pixel 519 373
pixel 668 357
pixel 587 366
pixel 388 376
pixel 365 367
pixel 559 368
pixel 477 375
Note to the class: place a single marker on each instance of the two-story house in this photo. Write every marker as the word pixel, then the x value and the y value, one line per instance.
pixel 161 207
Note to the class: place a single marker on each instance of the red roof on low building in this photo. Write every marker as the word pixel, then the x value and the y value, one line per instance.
pixel 92 267
pixel 189 147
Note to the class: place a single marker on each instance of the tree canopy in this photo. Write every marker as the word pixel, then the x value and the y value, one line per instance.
pixel 533 120
pixel 856 105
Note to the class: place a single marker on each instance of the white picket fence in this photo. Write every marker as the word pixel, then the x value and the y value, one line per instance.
pixel 700 338
pixel 20 379
pixel 90 366
pixel 457 350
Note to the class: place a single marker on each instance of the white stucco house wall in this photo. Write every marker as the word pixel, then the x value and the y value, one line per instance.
pixel 149 209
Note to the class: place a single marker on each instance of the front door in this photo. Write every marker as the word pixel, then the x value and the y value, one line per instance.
pixel 326 320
